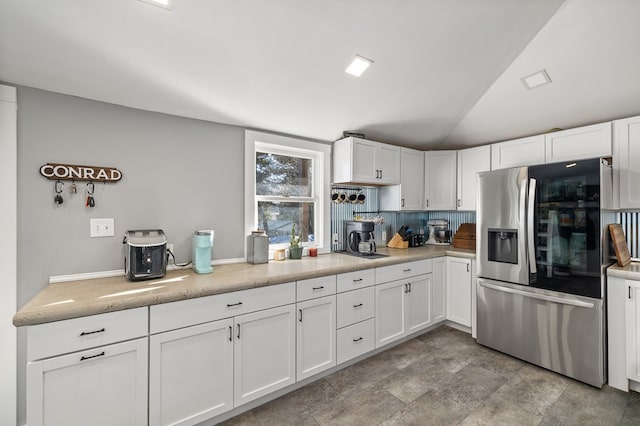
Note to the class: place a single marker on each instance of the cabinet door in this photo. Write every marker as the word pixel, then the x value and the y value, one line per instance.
pixel 579 143
pixel 518 152
pixel 627 160
pixel 459 290
pixel 632 314
pixel 316 342
pixel 191 373
pixel 264 353
pixel 470 162
pixel 419 303
pixel 388 160
pixel 440 180
pixel 438 292
pixel 103 386
pixel 412 179
pixel 390 312
pixel 364 165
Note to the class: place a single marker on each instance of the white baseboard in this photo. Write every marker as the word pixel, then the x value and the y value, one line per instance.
pixel 119 272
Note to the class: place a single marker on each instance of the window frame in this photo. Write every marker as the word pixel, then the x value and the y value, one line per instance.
pixel 284 145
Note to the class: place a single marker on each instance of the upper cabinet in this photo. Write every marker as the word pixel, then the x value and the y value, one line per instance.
pixel 362 161
pixel 626 162
pixel 409 194
pixel 471 161
pixel 518 152
pixel 440 180
pixel 577 144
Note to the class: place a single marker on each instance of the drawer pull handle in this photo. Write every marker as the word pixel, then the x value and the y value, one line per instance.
pixel 318 288
pixel 84 358
pixel 357 280
pixel 86 333
pixel 358 305
pixel 233 304
pixel 406 270
pixel 358 339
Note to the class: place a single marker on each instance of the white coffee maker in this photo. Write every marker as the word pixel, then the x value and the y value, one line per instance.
pixel 439 232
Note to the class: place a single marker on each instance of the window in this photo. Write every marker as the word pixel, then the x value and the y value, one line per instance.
pixel 286 182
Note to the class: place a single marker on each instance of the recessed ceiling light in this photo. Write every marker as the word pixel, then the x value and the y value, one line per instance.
pixel 536 79
pixel 165 4
pixel 358 66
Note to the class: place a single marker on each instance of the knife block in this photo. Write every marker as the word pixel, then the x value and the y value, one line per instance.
pixel 398 242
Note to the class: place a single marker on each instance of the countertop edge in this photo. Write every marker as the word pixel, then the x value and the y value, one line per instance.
pixel 36 312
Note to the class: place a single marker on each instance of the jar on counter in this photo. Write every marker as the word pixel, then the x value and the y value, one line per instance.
pixel 257 247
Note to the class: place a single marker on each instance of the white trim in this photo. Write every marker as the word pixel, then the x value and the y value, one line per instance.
pixel 320 152
pixel 119 272
pixel 9 258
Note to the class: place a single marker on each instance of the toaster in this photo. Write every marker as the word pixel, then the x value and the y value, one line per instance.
pixel 146 254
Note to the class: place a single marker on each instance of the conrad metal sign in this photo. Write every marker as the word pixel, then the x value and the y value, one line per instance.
pixel 80 173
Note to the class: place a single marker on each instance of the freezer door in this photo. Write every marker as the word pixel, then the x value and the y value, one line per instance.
pixel 502 237
pixel 557 331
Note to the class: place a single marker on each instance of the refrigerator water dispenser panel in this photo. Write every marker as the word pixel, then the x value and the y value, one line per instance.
pixel 503 245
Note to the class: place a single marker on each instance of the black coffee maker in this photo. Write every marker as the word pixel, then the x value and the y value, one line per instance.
pixel 360 238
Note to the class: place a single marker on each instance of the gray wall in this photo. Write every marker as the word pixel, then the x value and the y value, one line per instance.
pixel 178 175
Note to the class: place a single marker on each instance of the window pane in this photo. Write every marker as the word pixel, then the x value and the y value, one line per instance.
pixel 277 218
pixel 283 175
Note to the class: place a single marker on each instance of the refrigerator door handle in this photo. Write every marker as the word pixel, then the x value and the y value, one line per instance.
pixel 530 224
pixel 544 297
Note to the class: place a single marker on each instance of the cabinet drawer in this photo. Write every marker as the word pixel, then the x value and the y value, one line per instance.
pixel 355 340
pixel 315 287
pixel 403 270
pixel 355 306
pixel 60 337
pixel 170 316
pixel 354 280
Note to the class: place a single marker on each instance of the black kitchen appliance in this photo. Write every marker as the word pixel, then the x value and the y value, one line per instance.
pixel 146 254
pixel 360 238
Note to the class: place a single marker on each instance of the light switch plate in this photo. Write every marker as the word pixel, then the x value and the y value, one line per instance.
pixel 101 227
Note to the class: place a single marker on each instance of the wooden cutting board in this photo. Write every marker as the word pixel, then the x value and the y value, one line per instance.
pixel 620 244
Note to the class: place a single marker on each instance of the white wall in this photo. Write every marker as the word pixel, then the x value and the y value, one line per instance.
pixel 8 259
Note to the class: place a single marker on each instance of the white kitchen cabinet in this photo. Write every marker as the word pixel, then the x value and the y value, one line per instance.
pixel 316 336
pixel 191 373
pixel 626 162
pixel 440 180
pixel 355 340
pixel 362 161
pixel 438 290
pixel 632 324
pixel 101 386
pixel 403 306
pixel 409 194
pixel 579 143
pixel 459 290
pixel 264 353
pixel 471 161
pixel 527 151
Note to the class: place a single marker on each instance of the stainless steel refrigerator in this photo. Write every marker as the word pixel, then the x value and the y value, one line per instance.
pixel 542 251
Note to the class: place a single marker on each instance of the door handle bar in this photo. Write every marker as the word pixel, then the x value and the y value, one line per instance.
pixel 543 297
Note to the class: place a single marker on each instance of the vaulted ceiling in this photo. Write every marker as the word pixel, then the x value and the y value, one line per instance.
pixel 446 73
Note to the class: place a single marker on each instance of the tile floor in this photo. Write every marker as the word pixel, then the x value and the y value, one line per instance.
pixel 444 378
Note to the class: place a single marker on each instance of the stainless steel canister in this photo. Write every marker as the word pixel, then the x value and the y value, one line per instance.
pixel 257 247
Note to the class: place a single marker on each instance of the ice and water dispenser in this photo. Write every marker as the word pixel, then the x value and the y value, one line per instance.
pixel 503 245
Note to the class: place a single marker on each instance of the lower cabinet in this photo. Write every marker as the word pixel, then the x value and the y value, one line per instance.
pixel 102 386
pixel 439 290
pixel 632 326
pixel 459 290
pixel 264 353
pixel 316 336
pixel 191 373
pixel 402 307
